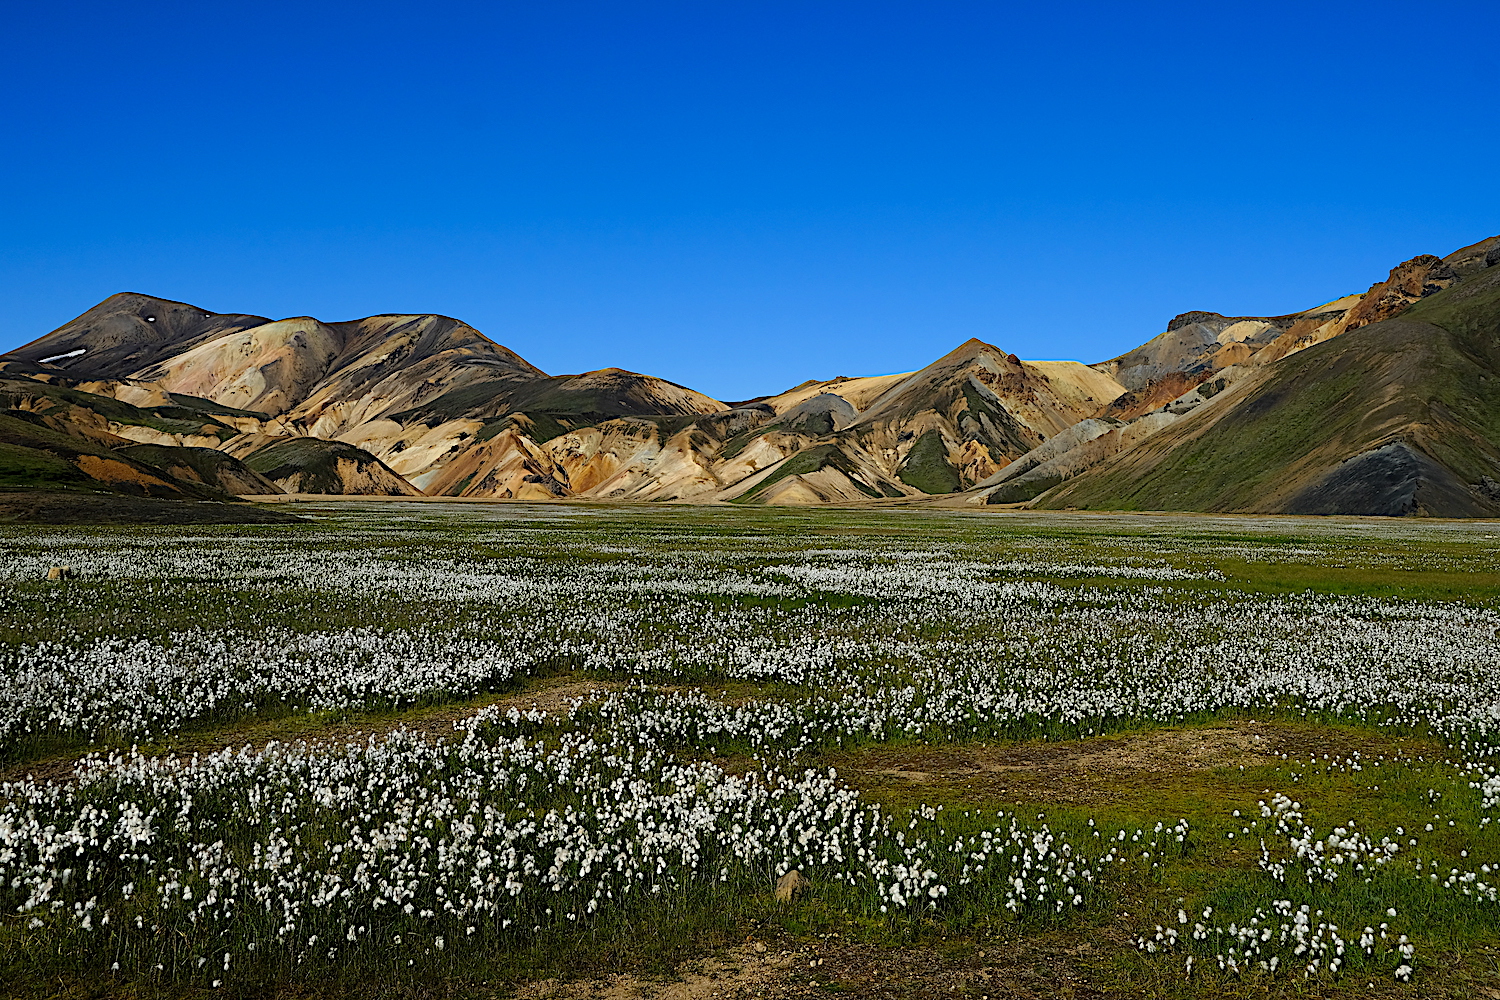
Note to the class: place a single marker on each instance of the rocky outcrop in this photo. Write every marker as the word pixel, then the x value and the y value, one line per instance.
pixel 1474 258
pixel 1409 282
pixel 1392 480
pixel 1198 344
pixel 1154 395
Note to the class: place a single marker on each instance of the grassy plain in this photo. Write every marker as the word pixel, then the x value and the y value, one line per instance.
pixel 1125 772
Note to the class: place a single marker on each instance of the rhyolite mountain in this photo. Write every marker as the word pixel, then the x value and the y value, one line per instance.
pixel 59 463
pixel 1386 402
pixel 1399 414
pixel 426 404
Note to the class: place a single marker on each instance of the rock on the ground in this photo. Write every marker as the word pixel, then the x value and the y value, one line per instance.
pixel 791 885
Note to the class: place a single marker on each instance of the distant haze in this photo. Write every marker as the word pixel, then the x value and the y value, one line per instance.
pixel 738 196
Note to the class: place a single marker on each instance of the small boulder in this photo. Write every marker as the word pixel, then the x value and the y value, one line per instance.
pixel 61 573
pixel 1493 257
pixel 791 885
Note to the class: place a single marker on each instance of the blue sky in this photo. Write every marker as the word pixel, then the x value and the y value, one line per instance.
pixel 740 196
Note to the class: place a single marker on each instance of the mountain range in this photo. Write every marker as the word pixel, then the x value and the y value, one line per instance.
pixel 1386 402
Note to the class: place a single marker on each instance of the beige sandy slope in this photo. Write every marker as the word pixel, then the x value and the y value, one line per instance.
pixel 417 452
pixel 508 466
pixel 450 430
pixel 621 462
pixel 136 392
pixel 812 488
pixel 270 368
pixel 1077 385
pixel 860 392
pixel 628 458
pixel 332 377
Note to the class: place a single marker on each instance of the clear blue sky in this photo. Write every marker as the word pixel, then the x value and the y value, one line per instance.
pixel 739 196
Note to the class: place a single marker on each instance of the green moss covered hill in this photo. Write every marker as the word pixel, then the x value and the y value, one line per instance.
pixel 1399 417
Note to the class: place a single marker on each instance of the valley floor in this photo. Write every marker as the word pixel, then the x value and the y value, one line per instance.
pixel 496 750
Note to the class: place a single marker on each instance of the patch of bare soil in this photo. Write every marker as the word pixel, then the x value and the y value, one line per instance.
pixel 1106 768
pixel 555 699
pixel 1160 750
pixel 1029 971
pixel 743 972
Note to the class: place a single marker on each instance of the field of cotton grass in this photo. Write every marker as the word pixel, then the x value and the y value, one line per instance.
pixel 462 748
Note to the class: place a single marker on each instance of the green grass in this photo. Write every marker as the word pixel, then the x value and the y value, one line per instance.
pixel 1021 491
pixel 822 456
pixel 30 467
pixel 1425 377
pixel 199 403
pixel 36 456
pixel 314 461
pixel 1220 872
pixel 926 466
pixel 538 425
pixel 1400 560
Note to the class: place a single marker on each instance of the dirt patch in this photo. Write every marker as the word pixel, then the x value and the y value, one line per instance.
pixel 1031 969
pixel 556 696
pixel 1106 768
pixel 553 698
pixel 1163 750
pixel 52 770
pixel 742 972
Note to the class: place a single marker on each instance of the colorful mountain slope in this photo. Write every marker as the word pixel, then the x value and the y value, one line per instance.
pixel 1397 416
pixel 1305 411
